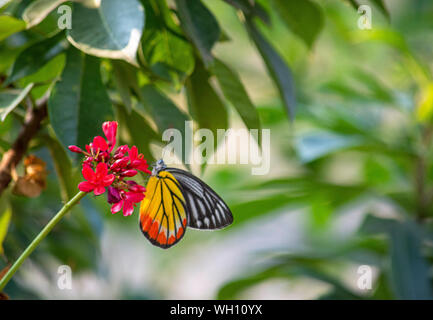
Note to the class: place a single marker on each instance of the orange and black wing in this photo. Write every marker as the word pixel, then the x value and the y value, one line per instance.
pixel 163 216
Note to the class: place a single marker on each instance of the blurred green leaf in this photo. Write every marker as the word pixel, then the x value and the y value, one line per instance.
pixel 204 104
pixel 277 68
pixel 235 92
pixel 118 24
pixel 294 266
pixel 424 109
pixel 79 102
pixel 38 11
pixel 312 146
pixel 5 218
pixel 10 99
pixel 63 167
pixel 255 208
pixel 304 18
pixel 250 8
pixel 409 270
pixel 200 25
pixel 10 25
pixel 165 50
pixel 35 57
pixel 164 112
pixel 125 77
pixel 381 5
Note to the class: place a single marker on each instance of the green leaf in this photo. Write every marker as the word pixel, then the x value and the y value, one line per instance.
pixel 5 218
pixel 125 77
pixel 204 104
pixel 117 24
pixel 10 99
pixel 250 8
pixel 63 167
pixel 381 5
pixel 235 92
pixel 79 102
pixel 277 68
pixel 35 57
pixel 10 25
pixel 38 10
pixel 165 50
pixel 135 129
pixel 409 270
pixel 164 112
pixel 304 18
pixel 313 146
pixel 200 25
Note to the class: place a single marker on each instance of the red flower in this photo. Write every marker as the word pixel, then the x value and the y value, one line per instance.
pixel 137 160
pixel 110 131
pixel 128 200
pixel 96 180
pixel 112 168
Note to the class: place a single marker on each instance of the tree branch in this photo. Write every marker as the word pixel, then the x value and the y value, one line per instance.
pixel 13 156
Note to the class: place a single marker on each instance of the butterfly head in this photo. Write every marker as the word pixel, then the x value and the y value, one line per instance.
pixel 158 166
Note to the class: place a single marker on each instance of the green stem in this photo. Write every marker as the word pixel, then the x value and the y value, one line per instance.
pixel 68 206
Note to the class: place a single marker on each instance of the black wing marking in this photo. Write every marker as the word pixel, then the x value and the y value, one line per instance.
pixel 206 210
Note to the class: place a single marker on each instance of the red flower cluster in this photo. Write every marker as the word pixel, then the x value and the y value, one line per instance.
pixel 104 168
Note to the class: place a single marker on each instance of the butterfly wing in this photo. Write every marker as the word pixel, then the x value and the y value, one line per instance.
pixel 163 217
pixel 206 210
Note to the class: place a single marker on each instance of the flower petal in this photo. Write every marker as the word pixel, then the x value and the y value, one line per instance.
pixel 99 190
pixel 110 131
pixel 133 153
pixel 116 207
pixel 128 208
pixel 108 180
pixel 88 173
pixel 134 196
pixel 86 186
pixel 99 143
pixel 101 171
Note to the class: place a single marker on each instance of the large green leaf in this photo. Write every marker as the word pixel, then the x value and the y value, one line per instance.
pixel 125 77
pixel 235 92
pixel 200 25
pixel 10 25
pixel 204 104
pixel 38 10
pixel 117 24
pixel 409 270
pixel 304 18
pixel 277 68
pixel 36 56
pixel 165 51
pixel 79 102
pixel 10 99
pixel 165 113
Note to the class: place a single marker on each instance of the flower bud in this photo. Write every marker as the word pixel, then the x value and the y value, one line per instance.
pixel 75 149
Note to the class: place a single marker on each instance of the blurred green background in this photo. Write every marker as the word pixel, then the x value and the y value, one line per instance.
pixel 351 179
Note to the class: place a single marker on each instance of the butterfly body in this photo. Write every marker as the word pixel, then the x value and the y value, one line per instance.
pixel 176 199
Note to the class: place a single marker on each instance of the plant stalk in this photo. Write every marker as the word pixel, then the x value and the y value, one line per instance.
pixel 68 206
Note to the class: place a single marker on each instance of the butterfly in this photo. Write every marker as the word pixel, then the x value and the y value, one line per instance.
pixel 176 199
